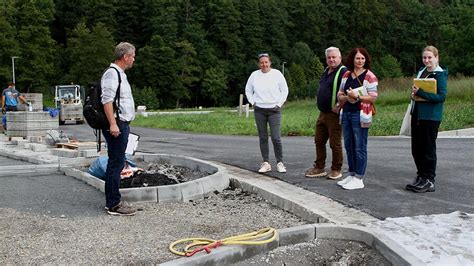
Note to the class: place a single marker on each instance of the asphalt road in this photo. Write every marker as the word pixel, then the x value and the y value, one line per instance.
pixel 389 169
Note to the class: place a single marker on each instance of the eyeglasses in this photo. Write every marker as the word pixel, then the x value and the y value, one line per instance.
pixel 263 55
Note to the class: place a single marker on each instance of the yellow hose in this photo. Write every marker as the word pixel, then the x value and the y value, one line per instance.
pixel 194 245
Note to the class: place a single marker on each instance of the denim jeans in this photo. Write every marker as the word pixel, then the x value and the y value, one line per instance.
pixel 271 116
pixel 355 143
pixel 328 128
pixel 116 152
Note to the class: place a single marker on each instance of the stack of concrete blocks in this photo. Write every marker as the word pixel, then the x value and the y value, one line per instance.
pixel 89 149
pixel 36 100
pixel 71 111
pixel 30 124
pixel 67 153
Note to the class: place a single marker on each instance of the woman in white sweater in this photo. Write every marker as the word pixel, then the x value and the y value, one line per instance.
pixel 267 90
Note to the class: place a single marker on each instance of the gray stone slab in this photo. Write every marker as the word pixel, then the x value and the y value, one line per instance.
pixel 192 190
pixel 36 147
pixel 142 194
pixel 297 234
pixel 5 161
pixel 170 193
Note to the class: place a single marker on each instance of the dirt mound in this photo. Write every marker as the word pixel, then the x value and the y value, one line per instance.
pixel 161 174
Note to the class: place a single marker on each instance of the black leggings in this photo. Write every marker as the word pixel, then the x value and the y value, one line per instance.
pixel 423 147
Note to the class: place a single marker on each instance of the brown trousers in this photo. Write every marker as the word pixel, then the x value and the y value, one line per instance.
pixel 328 127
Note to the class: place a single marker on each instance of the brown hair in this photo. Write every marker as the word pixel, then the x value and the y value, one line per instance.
pixel 350 58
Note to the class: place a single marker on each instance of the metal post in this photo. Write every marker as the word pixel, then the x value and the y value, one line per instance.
pixel 283 68
pixel 241 101
pixel 13 68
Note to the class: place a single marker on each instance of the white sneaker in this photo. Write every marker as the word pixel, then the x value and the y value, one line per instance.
pixel 355 183
pixel 265 167
pixel 281 167
pixel 345 180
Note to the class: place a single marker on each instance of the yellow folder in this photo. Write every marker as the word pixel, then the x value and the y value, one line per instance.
pixel 427 85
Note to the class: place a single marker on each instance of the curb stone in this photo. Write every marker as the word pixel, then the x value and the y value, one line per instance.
pixel 226 255
pixel 187 191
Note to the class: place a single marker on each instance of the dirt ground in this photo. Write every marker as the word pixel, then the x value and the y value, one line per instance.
pixel 160 173
pixel 320 252
pixel 317 252
pixel 219 215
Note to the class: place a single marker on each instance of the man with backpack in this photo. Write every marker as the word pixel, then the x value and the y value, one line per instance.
pixel 120 111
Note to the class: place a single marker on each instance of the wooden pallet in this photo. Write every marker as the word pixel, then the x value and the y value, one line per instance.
pixel 77 145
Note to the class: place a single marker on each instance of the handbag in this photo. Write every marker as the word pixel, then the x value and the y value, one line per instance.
pixel 405 129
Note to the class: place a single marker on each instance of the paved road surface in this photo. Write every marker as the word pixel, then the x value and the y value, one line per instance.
pixel 390 167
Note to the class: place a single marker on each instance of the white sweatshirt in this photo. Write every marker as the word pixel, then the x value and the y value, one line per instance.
pixel 266 90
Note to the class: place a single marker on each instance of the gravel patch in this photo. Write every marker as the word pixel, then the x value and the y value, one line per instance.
pixel 142 239
pixel 319 252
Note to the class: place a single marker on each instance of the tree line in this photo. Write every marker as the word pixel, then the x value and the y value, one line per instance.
pixel 201 52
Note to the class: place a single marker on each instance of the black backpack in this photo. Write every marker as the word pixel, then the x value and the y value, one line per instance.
pixel 93 110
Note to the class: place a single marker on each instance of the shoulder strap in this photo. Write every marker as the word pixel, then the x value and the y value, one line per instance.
pixel 117 94
pixel 334 84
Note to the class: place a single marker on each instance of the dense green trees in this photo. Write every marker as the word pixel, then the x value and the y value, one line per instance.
pixel 193 53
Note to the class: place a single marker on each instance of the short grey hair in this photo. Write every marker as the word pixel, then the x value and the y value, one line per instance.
pixel 332 48
pixel 122 49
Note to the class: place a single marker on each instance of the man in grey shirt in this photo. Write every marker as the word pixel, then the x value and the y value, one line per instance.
pixel 117 135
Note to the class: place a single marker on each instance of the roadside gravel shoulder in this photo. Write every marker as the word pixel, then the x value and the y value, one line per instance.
pixel 144 238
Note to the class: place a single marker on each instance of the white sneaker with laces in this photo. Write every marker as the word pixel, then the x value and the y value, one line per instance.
pixel 281 167
pixel 265 167
pixel 355 183
pixel 345 180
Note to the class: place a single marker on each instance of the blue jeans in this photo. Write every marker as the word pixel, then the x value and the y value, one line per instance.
pixel 355 143
pixel 263 118
pixel 116 152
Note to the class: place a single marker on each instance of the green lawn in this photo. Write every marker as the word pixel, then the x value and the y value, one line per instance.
pixel 299 117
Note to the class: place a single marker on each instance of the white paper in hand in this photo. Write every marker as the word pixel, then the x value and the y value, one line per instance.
pixel 132 143
pixel 361 91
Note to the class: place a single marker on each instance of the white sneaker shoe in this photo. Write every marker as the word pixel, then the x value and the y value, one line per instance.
pixel 355 183
pixel 265 167
pixel 281 167
pixel 345 180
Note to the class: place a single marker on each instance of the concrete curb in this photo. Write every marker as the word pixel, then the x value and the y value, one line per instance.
pixel 305 204
pixel 191 190
pixel 226 255
pixel 25 152
pixel 29 169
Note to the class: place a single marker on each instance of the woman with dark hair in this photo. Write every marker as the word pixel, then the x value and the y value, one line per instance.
pixel 425 120
pixel 357 95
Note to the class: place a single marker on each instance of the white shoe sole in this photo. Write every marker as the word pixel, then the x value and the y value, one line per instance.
pixel 323 174
pixel 121 214
pixel 334 177
pixel 352 188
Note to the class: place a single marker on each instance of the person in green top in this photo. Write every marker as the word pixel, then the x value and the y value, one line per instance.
pixel 425 121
